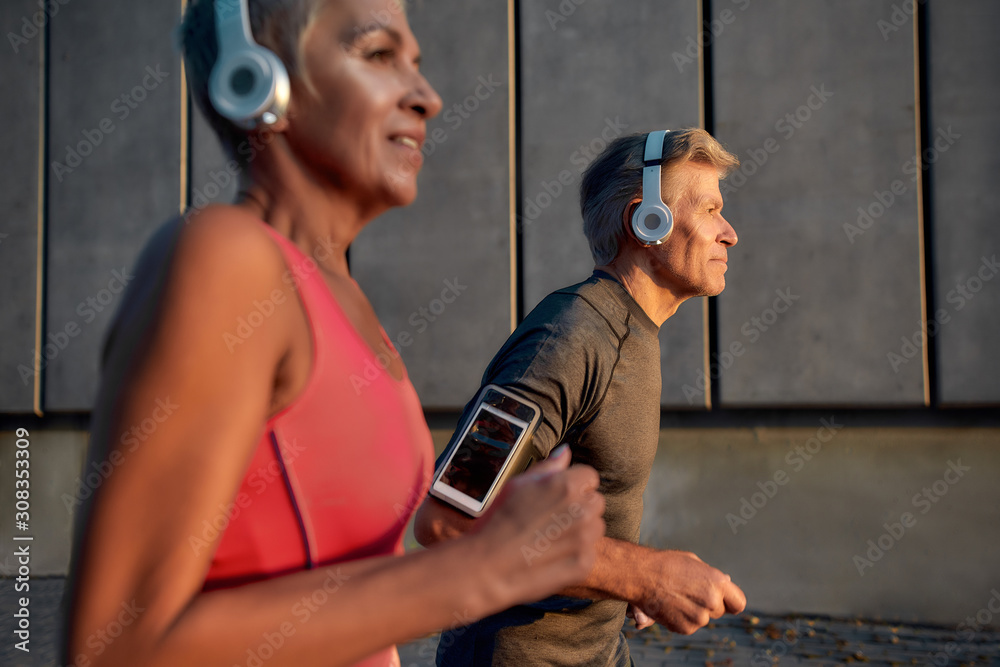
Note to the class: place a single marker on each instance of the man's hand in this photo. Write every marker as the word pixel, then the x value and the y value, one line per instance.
pixel 683 592
pixel 639 617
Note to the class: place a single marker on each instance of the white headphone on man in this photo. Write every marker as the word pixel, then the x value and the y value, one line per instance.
pixel 249 83
pixel 652 220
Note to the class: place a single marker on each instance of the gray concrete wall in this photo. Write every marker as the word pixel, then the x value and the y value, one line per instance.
pixel 22 104
pixel 56 461
pixel 789 512
pixel 821 100
pixel 816 307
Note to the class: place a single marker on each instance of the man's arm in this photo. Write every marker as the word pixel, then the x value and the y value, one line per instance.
pixel 674 588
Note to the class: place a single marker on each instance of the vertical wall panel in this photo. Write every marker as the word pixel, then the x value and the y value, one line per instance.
pixel 114 170
pixel 438 271
pixel 20 67
pixel 592 72
pixel 963 151
pixel 819 104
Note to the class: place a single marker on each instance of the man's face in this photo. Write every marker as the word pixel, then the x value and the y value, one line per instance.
pixel 692 261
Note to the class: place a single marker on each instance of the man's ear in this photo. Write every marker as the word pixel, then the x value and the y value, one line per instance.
pixel 627 217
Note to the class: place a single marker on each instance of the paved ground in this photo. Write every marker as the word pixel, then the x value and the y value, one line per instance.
pixel 751 639
pixel 761 641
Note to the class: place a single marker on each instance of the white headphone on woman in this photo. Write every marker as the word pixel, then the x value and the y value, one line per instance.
pixel 652 220
pixel 249 84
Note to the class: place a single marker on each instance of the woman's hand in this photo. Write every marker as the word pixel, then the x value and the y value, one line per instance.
pixel 542 531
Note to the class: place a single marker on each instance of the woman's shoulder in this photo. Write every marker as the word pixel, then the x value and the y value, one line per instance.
pixel 224 238
pixel 220 252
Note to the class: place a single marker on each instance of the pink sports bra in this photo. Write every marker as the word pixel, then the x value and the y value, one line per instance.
pixel 337 474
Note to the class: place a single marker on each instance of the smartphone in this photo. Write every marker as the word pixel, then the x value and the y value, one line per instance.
pixel 494 445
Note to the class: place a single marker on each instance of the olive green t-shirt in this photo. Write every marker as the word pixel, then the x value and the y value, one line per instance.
pixel 590 357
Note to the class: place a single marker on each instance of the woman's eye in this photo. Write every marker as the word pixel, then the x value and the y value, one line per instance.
pixel 380 55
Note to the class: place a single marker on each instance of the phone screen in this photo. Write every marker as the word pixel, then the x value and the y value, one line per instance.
pixel 481 455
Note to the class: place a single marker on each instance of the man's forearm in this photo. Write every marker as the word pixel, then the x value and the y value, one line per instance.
pixel 616 574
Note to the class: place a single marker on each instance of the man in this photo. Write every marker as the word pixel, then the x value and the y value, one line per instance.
pixel 589 356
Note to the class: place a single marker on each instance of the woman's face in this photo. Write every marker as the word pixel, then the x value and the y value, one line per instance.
pixel 362 125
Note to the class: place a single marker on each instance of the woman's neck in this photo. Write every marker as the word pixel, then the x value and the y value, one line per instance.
pixel 321 220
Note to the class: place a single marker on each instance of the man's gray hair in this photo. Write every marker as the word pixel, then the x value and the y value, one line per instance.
pixel 614 179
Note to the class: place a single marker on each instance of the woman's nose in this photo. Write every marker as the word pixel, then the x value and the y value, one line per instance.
pixel 423 98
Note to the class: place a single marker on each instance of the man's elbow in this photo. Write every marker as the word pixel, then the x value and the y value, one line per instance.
pixel 423 526
pixel 435 523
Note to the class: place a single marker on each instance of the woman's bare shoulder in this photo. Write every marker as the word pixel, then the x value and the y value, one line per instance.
pixel 220 248
pixel 225 238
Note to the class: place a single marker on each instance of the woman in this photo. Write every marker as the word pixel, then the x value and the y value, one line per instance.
pixel 257 496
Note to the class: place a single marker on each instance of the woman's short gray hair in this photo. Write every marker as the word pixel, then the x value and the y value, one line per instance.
pixel 276 24
pixel 614 179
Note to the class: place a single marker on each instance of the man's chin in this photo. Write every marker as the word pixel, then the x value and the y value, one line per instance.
pixel 716 289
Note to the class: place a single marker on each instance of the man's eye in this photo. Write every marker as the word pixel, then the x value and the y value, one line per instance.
pixel 380 55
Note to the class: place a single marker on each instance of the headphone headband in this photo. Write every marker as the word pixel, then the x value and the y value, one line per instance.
pixel 249 84
pixel 654 147
pixel 232 25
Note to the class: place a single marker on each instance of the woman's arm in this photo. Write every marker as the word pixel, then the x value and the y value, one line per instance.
pixel 137 573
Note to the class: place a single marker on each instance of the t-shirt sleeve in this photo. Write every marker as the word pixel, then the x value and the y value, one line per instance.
pixel 562 358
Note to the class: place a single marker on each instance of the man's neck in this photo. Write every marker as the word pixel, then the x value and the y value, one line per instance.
pixel 658 301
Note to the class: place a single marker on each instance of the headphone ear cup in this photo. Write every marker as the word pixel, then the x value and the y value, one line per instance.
pixel 250 87
pixel 652 222
pixel 249 84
